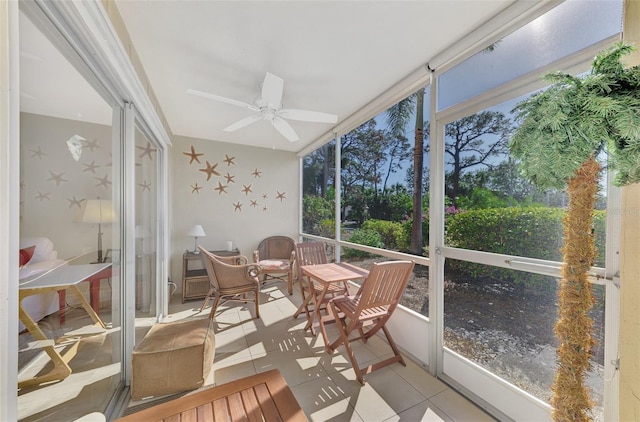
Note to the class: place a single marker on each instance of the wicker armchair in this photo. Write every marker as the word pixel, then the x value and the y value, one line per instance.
pixel 230 281
pixel 274 256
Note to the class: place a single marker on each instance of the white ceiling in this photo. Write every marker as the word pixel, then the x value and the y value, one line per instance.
pixel 334 57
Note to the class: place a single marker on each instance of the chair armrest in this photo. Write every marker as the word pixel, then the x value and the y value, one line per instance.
pixel 236 275
pixel 253 271
pixel 233 260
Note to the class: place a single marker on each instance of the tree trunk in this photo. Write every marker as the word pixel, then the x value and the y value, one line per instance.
pixel 418 158
pixel 573 329
pixel 325 171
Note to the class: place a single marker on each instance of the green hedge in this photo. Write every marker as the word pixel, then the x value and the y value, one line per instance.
pixel 391 232
pixel 526 232
pixel 366 237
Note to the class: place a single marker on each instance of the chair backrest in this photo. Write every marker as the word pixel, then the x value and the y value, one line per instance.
pixel 276 247
pixel 309 253
pixel 208 259
pixel 384 285
pixel 223 275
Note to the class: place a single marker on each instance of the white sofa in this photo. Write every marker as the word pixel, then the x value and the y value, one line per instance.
pixel 44 259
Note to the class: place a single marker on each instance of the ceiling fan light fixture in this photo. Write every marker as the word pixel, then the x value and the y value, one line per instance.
pixel 268 107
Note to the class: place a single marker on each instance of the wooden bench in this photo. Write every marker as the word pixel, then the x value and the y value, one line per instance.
pixel 264 397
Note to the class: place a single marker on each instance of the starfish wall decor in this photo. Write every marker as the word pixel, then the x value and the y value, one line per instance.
pixel 211 171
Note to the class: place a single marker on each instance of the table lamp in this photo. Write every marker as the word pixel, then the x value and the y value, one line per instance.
pixel 98 211
pixel 196 231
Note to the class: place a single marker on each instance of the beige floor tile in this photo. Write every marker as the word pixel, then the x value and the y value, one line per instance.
pixel 419 378
pixel 458 408
pixel 296 366
pixel 282 340
pixel 230 341
pixel 368 403
pixel 235 370
pixel 384 392
pixel 322 400
pixel 421 412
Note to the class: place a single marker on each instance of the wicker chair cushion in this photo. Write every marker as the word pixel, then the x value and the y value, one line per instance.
pixel 274 264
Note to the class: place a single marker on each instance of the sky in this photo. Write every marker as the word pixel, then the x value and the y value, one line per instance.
pixel 550 37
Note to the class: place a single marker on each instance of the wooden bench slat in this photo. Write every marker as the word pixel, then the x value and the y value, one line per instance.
pixel 221 410
pixel 189 415
pixel 261 397
pixel 205 412
pixel 251 405
pixel 267 405
pixel 236 408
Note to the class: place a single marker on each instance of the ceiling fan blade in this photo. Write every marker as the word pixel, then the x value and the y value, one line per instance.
pixel 272 89
pixel 285 129
pixel 243 122
pixel 222 99
pixel 308 116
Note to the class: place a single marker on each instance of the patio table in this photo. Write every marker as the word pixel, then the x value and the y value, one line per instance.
pixel 325 275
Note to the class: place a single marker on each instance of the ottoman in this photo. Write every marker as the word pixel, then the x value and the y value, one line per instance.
pixel 172 357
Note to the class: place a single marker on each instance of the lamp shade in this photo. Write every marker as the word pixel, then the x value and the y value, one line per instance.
pixel 196 231
pixel 95 211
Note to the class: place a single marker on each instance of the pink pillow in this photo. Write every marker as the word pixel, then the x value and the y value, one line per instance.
pixel 26 254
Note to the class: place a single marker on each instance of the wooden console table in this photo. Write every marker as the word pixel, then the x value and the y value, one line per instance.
pixel 263 397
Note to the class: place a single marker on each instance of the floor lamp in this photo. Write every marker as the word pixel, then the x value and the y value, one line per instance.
pixel 96 211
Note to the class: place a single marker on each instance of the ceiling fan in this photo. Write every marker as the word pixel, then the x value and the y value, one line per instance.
pixel 269 107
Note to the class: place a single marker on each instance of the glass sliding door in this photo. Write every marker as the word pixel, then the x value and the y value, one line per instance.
pixel 68 211
pixel 148 159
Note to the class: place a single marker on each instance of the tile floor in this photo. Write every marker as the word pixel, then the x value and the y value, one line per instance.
pixel 324 385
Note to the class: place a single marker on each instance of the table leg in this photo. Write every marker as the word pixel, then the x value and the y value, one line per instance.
pixel 60 370
pixel 62 305
pixel 94 294
pixel 317 299
pixel 87 307
pixel 94 297
pixel 306 301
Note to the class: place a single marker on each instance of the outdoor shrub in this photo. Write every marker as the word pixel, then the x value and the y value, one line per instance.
pixel 389 231
pixel 326 228
pixel 366 237
pixel 527 232
pixel 531 232
pixel 314 210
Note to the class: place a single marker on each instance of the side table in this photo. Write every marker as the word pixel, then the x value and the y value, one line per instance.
pixel 195 281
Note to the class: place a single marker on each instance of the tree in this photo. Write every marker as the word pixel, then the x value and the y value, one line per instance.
pixel 398 117
pixel 397 151
pixel 505 181
pixel 473 141
pixel 408 179
pixel 363 156
pixel 317 174
pixel 562 132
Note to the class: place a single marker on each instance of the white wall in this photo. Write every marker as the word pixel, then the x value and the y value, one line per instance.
pixel 230 214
